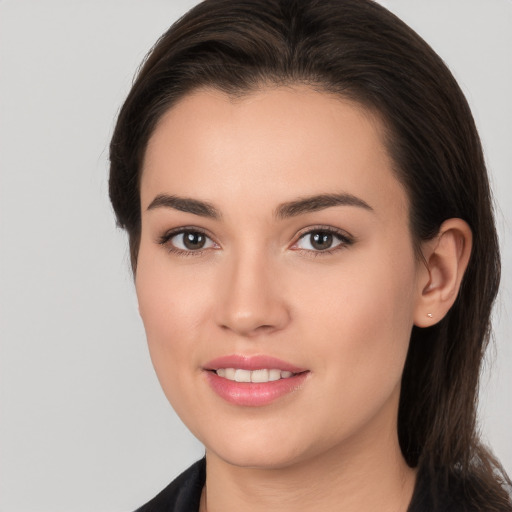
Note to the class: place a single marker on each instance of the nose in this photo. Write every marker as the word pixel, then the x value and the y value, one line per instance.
pixel 251 300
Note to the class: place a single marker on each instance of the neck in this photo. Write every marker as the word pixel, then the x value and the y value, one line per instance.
pixel 342 479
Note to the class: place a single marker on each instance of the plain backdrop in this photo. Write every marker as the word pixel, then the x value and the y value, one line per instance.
pixel 84 425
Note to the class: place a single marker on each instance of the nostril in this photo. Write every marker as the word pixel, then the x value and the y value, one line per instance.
pixel 248 313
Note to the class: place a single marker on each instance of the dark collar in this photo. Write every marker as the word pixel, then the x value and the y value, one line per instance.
pixel 183 494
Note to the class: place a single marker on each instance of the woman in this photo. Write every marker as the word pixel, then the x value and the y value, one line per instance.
pixel 315 258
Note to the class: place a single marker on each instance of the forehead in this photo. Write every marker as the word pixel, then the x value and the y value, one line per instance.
pixel 273 144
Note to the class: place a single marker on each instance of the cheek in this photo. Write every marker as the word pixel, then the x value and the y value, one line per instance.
pixel 171 307
pixel 170 301
pixel 361 317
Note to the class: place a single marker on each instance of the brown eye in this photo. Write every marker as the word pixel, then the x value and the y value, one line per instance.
pixel 193 240
pixel 189 241
pixel 319 240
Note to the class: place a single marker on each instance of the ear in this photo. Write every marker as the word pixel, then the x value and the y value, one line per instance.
pixel 446 257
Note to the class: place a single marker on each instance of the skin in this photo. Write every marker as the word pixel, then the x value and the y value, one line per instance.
pixel 260 287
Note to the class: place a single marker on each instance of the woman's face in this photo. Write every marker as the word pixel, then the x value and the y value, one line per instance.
pixel 275 237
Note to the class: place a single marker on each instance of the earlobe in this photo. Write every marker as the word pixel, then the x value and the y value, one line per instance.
pixel 446 258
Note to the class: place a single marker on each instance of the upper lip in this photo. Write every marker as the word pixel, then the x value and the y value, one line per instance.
pixel 257 362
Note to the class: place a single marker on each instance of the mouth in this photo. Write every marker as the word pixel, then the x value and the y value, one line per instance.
pixel 253 380
pixel 261 375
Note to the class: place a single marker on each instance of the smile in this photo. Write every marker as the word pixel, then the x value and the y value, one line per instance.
pixel 253 381
pixel 263 375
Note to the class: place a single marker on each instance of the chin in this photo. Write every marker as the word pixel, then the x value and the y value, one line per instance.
pixel 258 451
pixel 257 459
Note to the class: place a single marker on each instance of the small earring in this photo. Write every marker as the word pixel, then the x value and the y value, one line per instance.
pixel 430 315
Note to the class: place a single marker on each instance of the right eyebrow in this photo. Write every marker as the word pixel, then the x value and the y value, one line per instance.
pixel 185 204
pixel 319 202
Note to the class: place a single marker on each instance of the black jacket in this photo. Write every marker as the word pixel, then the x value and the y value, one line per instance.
pixel 184 493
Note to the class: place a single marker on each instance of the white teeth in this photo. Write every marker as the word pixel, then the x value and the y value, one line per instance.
pixel 259 376
pixel 262 375
pixel 274 375
pixel 230 373
pixel 243 376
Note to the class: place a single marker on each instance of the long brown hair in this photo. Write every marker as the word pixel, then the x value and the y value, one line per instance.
pixel 359 50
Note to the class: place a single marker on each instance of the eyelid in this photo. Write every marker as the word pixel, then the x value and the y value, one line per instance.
pixel 165 239
pixel 346 238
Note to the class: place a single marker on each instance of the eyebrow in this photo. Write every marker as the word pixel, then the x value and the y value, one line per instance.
pixel 283 211
pixel 185 204
pixel 317 203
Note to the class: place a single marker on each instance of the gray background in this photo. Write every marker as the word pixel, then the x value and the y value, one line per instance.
pixel 84 425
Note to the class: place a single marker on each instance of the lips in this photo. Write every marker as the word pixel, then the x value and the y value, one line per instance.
pixel 253 381
pixel 258 362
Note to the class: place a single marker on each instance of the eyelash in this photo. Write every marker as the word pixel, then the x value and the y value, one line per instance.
pixel 165 239
pixel 344 238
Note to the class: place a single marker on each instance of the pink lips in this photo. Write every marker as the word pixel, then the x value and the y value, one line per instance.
pixel 253 394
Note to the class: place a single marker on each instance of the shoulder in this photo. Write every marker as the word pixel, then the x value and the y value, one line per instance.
pixel 183 493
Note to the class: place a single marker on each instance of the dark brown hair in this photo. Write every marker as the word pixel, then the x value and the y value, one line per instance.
pixel 358 50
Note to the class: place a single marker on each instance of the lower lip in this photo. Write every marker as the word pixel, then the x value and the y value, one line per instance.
pixel 254 394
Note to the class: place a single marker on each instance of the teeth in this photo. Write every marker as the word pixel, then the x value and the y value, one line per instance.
pixel 263 375
pixel 274 375
pixel 259 376
pixel 243 376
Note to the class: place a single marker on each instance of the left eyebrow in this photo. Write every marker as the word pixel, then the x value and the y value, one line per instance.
pixel 317 203
pixel 185 204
